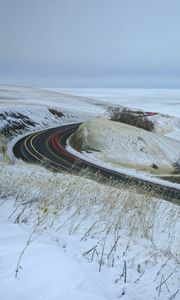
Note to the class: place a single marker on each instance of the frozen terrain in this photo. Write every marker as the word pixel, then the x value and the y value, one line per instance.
pixel 166 101
pixel 125 148
pixel 67 237
pixel 70 238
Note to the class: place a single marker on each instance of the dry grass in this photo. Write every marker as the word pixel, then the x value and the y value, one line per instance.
pixel 132 118
pixel 177 167
pixel 56 113
pixel 112 218
pixel 16 123
pixel 81 205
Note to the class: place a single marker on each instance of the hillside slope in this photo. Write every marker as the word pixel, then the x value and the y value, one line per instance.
pixel 126 146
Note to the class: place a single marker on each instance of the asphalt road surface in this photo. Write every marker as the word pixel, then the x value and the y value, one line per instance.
pixel 48 147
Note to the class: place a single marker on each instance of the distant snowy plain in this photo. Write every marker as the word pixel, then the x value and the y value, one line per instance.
pixel 165 101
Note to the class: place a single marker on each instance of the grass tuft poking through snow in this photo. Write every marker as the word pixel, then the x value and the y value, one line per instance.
pixel 110 223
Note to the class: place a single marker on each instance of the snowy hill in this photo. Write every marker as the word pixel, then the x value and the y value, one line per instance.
pixel 126 146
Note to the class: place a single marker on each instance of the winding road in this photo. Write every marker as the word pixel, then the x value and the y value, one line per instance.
pixel 48 147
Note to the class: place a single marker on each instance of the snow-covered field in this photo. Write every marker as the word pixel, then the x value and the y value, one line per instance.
pixel 67 237
pixel 166 101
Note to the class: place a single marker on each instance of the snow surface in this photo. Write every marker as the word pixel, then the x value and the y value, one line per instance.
pixel 125 148
pixel 63 216
pixel 55 266
pixel 166 101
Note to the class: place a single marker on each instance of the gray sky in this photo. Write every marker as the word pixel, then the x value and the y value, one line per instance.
pixel 90 43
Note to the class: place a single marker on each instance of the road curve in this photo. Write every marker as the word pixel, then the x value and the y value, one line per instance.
pixel 48 147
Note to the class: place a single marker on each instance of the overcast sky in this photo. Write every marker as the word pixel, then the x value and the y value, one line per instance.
pixel 90 43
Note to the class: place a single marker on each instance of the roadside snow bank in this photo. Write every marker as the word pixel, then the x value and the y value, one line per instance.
pixel 126 146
